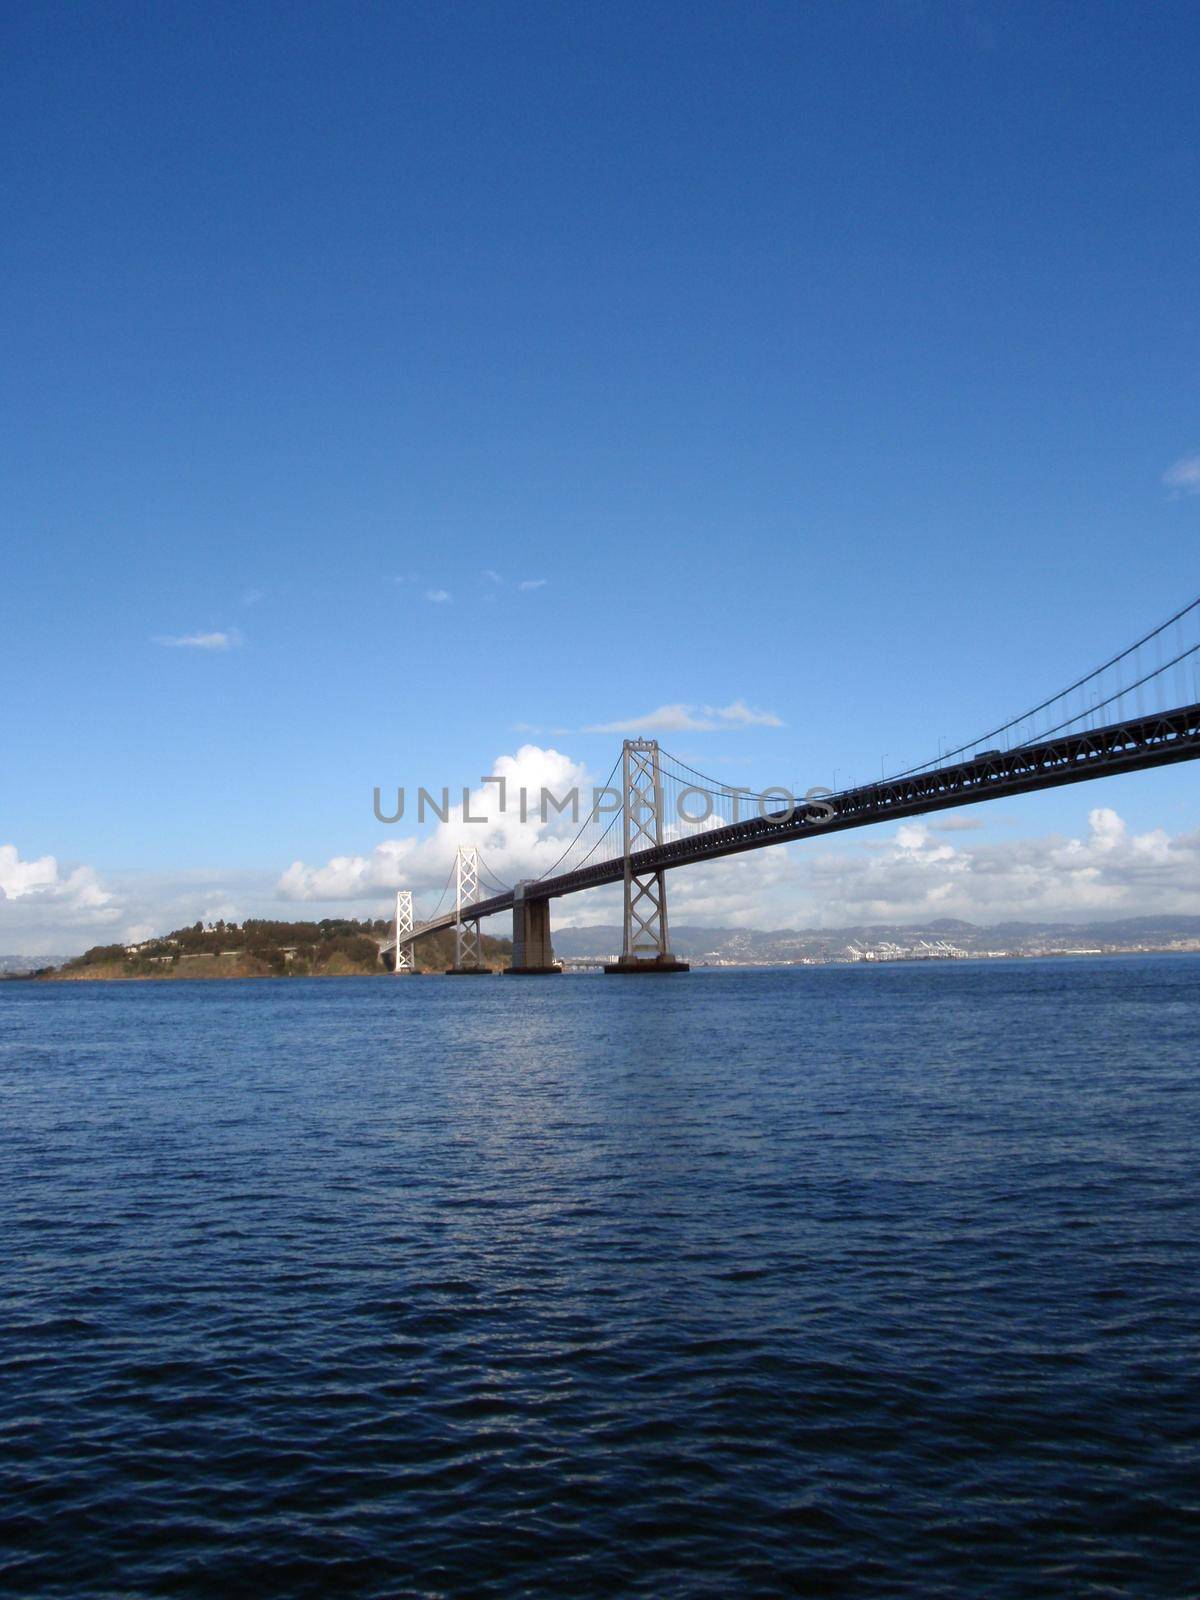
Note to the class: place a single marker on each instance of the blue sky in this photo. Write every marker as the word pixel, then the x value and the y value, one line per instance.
pixel 830 359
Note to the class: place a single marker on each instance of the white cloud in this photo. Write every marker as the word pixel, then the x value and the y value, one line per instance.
pixel 227 639
pixel 912 876
pixel 675 718
pixel 349 877
pixel 498 581
pixel 682 718
pixel 955 823
pixel 511 848
pixel 1184 476
pixel 439 597
pixel 46 910
pixel 42 879
pixel 745 716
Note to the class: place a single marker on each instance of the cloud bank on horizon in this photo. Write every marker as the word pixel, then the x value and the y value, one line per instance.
pixel 914 872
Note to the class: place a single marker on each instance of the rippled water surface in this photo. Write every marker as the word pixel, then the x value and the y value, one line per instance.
pixel 825 1282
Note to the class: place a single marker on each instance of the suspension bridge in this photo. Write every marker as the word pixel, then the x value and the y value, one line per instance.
pixel 1139 709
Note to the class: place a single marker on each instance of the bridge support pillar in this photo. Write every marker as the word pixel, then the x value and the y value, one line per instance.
pixel 532 953
pixel 406 955
pixel 647 945
pixel 468 947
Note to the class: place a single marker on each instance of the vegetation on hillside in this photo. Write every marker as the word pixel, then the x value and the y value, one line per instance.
pixel 333 947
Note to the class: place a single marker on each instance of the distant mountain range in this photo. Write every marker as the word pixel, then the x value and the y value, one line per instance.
pixel 755 946
pixel 760 947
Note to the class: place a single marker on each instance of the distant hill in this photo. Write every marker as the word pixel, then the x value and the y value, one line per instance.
pixel 755 946
pixel 258 948
pixel 13 966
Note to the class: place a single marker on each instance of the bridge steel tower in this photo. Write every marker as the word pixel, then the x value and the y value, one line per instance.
pixel 468 947
pixel 647 941
pixel 405 950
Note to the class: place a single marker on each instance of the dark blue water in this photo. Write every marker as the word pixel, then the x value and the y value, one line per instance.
pixel 869 1282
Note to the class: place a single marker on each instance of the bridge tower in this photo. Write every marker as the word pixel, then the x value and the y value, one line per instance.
pixel 647 942
pixel 468 947
pixel 406 956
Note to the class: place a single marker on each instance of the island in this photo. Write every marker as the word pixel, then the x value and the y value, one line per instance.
pixel 258 948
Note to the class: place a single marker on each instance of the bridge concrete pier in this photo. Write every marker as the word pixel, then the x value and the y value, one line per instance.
pixel 627 965
pixel 533 956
